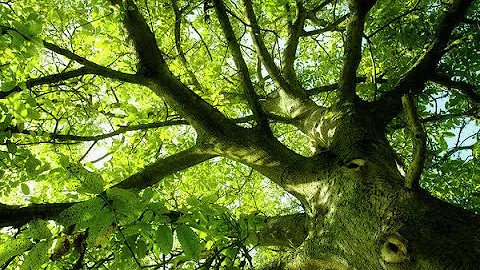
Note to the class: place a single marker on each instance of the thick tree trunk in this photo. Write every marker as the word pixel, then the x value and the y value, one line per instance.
pixel 360 215
pixel 359 220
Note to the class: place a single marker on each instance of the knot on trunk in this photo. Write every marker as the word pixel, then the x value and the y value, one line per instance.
pixel 394 249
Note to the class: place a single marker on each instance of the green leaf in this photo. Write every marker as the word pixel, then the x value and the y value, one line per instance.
pixel 32 165
pixel 6 122
pixel 443 143
pixel 12 148
pixel 22 85
pixel 31 101
pixel 64 161
pixel 37 256
pixel 136 228
pixel 82 213
pixel 164 239
pixel 7 86
pixel 147 216
pixel 92 182
pixel 189 241
pixel 38 229
pixel 13 247
pixel 476 150
pixel 449 134
pixel 25 188
pixel 34 28
pixel 98 227
pixel 127 205
pixel 17 39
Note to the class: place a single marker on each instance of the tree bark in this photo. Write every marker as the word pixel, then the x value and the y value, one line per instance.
pixel 360 214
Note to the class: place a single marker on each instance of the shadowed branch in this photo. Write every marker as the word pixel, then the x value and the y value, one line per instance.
pixel 247 84
pixel 49 79
pixel 467 89
pixel 295 30
pixel 353 48
pixel 413 80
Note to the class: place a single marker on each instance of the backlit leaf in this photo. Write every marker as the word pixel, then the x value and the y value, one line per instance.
pixel 189 241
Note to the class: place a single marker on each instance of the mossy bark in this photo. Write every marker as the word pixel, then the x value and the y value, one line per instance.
pixel 361 215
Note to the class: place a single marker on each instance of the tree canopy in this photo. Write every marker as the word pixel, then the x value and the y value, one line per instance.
pixel 159 134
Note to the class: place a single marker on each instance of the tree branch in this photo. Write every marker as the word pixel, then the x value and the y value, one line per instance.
pixel 150 57
pixel 414 8
pixel 467 89
pixel 121 130
pixel 283 231
pixel 49 79
pixel 11 215
pixel 353 48
pixel 334 86
pixel 93 67
pixel 157 76
pixel 124 129
pixel 247 84
pixel 472 113
pixel 419 139
pixel 178 45
pixel 266 57
pixel 150 175
pixel 155 172
pixel 412 81
pixel 294 31
pixel 327 27
pixel 248 146
pixel 455 149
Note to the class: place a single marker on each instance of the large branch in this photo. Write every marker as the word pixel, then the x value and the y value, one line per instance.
pixel 298 102
pixel 352 53
pixel 123 129
pixel 283 231
pixel 247 84
pixel 12 215
pixel 248 146
pixel 155 172
pixel 413 80
pixel 18 215
pixel 288 231
pixel 158 77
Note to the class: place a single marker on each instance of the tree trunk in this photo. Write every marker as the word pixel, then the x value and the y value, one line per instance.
pixel 360 215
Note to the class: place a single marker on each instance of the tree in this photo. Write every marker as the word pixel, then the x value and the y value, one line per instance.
pixel 230 134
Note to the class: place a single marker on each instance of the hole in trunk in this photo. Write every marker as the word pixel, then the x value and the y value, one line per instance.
pixel 355 164
pixel 352 165
pixel 394 248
